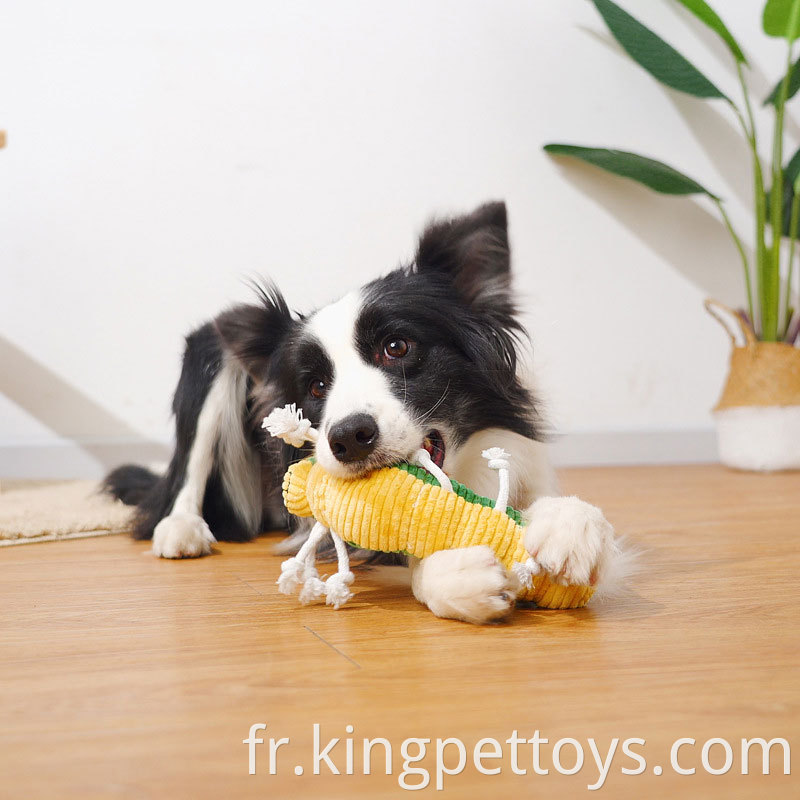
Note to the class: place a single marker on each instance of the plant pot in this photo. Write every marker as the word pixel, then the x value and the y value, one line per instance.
pixel 758 415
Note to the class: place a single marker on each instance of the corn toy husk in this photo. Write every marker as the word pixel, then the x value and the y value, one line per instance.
pixel 408 508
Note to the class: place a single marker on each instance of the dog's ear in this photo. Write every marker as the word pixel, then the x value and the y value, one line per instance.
pixel 253 332
pixel 472 252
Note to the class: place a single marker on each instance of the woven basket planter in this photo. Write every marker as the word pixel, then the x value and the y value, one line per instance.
pixel 758 414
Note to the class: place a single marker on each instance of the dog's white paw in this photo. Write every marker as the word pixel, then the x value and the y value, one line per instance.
pixel 569 539
pixel 467 583
pixel 182 536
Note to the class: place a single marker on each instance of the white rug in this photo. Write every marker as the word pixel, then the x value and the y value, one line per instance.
pixel 45 512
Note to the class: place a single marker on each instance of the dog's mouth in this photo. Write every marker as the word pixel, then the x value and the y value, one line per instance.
pixel 434 444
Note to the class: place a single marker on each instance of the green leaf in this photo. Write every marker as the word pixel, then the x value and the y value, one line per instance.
pixel 782 19
pixel 652 53
pixel 792 170
pixel 705 13
pixel 794 85
pixel 791 175
pixel 653 174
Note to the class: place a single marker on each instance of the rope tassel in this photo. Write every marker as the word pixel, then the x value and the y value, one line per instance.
pixel 337 588
pixel 524 571
pixel 292 575
pixel 313 588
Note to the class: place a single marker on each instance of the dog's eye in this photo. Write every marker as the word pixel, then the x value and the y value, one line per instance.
pixel 395 347
pixel 318 389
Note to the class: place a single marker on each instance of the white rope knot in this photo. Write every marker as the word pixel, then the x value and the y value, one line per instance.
pixel 497 458
pixel 501 461
pixel 524 572
pixel 287 423
pixel 337 588
pixel 313 588
pixel 292 575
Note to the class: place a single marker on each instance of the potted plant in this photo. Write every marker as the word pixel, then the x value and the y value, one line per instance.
pixel 758 415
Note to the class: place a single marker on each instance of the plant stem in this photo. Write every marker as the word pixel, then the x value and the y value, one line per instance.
pixel 792 241
pixel 759 197
pixel 770 300
pixel 751 133
pixel 738 242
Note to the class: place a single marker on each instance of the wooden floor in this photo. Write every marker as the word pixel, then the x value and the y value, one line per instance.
pixel 122 676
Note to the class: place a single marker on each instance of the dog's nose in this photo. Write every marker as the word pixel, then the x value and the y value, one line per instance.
pixel 353 438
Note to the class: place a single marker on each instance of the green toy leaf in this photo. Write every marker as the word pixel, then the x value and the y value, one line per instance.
pixel 460 490
pixel 652 53
pixel 782 19
pixel 653 174
pixel 794 85
pixel 705 13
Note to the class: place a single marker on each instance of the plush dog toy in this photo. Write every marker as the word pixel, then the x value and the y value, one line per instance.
pixel 409 508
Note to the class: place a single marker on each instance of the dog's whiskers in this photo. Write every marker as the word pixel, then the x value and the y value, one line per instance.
pixel 424 417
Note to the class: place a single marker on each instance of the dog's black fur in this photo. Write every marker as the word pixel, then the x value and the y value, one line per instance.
pixel 453 303
pixel 154 495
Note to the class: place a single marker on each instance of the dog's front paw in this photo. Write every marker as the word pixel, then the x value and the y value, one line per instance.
pixel 569 539
pixel 467 583
pixel 182 536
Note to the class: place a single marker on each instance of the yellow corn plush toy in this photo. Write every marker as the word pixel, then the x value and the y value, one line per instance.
pixel 409 508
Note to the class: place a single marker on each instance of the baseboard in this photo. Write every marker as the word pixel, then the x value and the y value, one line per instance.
pixel 92 459
pixel 620 448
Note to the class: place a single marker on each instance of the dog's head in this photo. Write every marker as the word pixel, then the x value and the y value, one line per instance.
pixel 422 357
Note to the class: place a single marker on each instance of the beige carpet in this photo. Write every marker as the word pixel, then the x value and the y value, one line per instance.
pixel 47 511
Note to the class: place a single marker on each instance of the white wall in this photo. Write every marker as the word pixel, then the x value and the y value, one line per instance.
pixel 160 152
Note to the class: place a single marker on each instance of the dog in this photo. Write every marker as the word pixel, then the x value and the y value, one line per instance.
pixel 425 356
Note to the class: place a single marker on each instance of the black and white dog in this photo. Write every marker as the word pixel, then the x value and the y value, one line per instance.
pixel 424 356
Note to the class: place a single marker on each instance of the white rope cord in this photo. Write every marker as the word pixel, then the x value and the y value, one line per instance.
pixel 313 588
pixel 309 548
pixel 299 568
pixel 337 586
pixel 499 460
pixel 422 458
